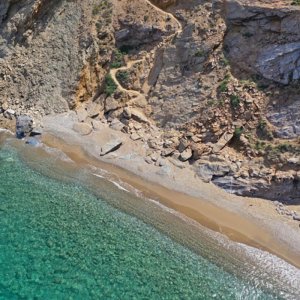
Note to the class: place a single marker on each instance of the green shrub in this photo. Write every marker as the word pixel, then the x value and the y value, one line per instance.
pixel 110 85
pixel 234 101
pixel 238 132
pixel 200 53
pixel 117 61
pixel 123 76
pixel 223 87
pixel 262 124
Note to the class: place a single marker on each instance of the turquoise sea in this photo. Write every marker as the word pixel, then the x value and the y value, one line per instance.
pixel 68 234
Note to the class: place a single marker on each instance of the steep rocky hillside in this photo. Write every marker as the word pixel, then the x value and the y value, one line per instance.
pixel 209 84
pixel 53 53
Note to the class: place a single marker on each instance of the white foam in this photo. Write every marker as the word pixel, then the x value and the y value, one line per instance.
pixel 119 186
pixel 260 262
pixel 97 175
pixel 286 273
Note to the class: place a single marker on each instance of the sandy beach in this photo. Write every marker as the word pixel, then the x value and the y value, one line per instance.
pixel 254 222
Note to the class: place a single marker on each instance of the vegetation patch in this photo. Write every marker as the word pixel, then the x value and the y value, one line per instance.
pixel 123 77
pixel 238 132
pixel 234 101
pixel 200 53
pixel 110 85
pixel 118 59
pixel 296 2
pixel 223 87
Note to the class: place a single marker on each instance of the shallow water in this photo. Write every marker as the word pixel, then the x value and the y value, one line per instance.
pixel 67 234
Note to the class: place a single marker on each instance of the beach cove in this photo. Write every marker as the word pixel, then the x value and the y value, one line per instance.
pixel 260 272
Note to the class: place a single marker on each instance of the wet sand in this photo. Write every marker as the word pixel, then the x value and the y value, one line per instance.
pixel 250 221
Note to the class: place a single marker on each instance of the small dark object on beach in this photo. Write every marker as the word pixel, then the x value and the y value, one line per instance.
pixel 23 126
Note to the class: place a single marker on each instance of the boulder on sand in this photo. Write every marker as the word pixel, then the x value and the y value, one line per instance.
pixel 111 145
pixel 24 126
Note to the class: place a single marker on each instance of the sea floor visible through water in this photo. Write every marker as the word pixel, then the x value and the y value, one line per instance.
pixel 68 234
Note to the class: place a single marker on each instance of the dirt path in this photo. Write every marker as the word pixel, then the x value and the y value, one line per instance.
pixel 114 72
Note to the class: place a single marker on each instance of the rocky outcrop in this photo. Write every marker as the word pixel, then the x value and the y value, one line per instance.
pixel 263 39
pixel 208 85
pixel 51 53
pixel 24 126
pixel 286 120
pixel 285 189
pixel 187 68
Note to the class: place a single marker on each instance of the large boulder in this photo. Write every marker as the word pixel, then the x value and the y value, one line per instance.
pixel 207 171
pixel 112 144
pixel 24 126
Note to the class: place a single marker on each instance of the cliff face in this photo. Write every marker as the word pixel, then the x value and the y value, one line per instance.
pixel 263 40
pixel 50 53
pixel 214 84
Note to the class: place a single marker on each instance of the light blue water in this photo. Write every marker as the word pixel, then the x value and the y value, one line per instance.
pixel 60 241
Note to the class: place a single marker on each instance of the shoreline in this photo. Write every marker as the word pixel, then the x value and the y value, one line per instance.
pixel 250 221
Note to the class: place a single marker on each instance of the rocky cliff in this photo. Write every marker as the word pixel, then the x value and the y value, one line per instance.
pixel 52 53
pixel 212 85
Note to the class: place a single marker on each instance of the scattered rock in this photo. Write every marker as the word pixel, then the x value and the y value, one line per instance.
pixel 148 160
pixel 296 218
pixel 117 125
pixel 82 114
pixel 161 162
pixel 186 155
pixel 127 113
pixel 183 144
pixel 112 145
pixel 223 141
pixel 135 136
pixel 168 152
pixel 10 113
pixel 177 163
pixel 207 171
pixel 111 104
pixel 36 131
pixel 93 109
pixel 138 116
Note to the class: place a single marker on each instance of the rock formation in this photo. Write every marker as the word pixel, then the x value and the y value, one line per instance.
pixel 213 85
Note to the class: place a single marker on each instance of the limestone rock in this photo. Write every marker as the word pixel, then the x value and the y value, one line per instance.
pixel 186 155
pixel 111 145
pixel 266 47
pixel 9 113
pixel 208 170
pixel 222 142
pixel 135 136
pixel 183 144
pixel 286 120
pixel 111 104
pixel 117 125
pixel 82 114
pixel 93 109
pixel 137 115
